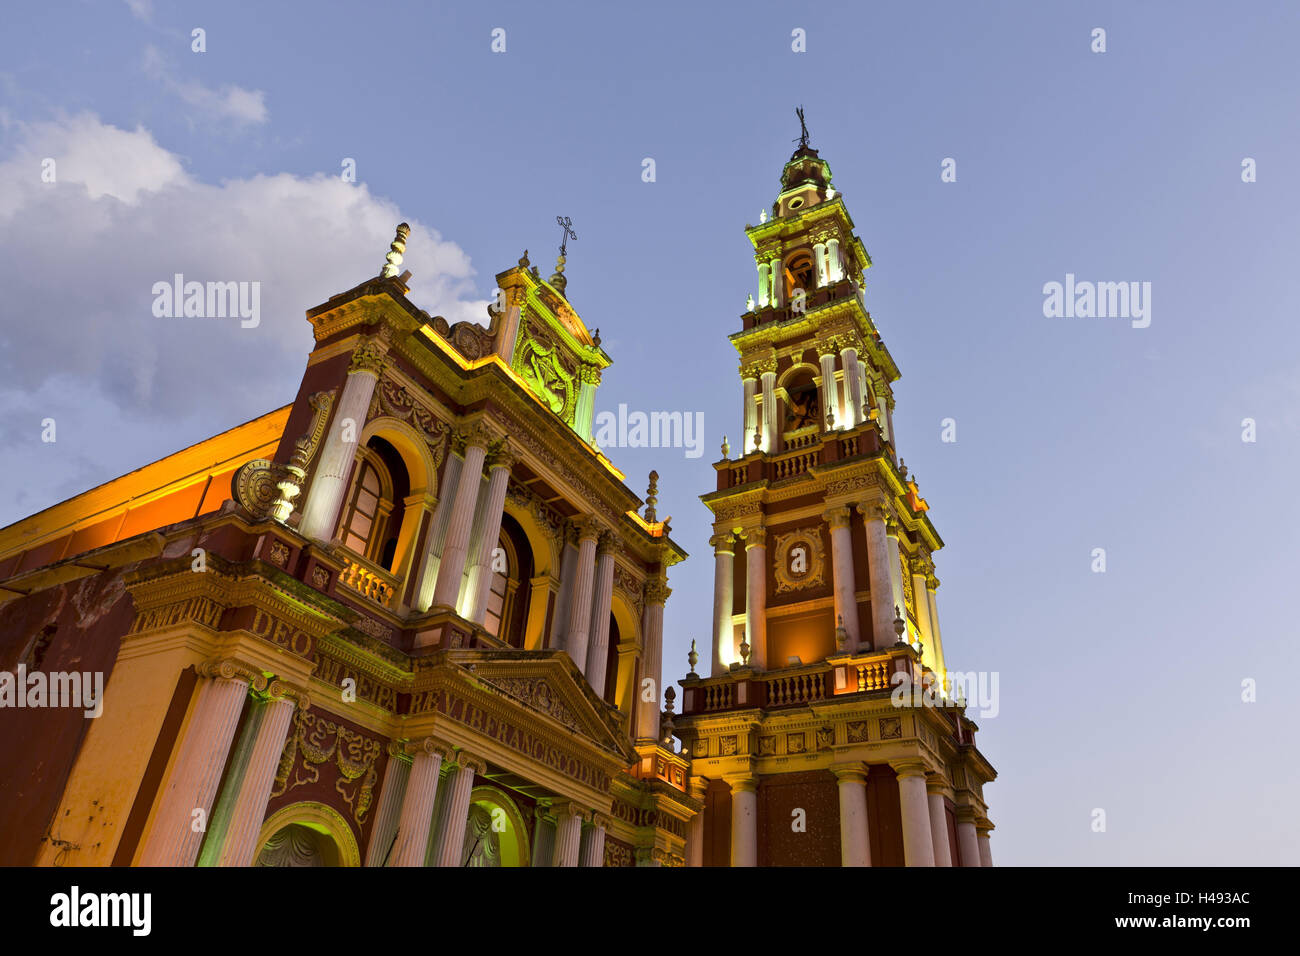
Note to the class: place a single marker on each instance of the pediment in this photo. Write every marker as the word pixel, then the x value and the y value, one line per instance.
pixel 550 688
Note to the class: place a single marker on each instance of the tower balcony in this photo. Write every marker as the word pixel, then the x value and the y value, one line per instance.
pixel 862 674
pixel 804 451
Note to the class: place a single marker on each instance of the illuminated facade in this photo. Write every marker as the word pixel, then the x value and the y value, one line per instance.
pixel 401 621
pixel 826 728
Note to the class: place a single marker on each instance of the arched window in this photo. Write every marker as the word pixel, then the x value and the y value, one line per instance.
pixel 374 510
pixel 800 274
pixel 508 591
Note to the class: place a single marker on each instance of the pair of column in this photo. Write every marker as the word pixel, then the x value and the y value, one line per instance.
pixel 415 824
pixel 885 572
pixel 186 801
pixel 973 838
pixel 587 632
pixel 460 523
pixel 574 837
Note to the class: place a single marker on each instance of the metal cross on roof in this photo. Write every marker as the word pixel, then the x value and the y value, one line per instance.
pixel 803 127
pixel 566 224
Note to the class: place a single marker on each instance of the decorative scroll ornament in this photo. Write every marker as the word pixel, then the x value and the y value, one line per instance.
pixel 800 560
pixel 266 488
pixel 547 372
pixel 314 741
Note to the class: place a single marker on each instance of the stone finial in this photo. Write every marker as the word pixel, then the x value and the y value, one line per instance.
pixel 692 659
pixel 749 302
pixel 523 260
pixel 595 337
pixel 902 468
pixel 899 624
pixel 726 449
pixel 396 249
pixel 652 497
pixel 744 652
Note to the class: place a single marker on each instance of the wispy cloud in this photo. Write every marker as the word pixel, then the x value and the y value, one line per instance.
pixel 234 103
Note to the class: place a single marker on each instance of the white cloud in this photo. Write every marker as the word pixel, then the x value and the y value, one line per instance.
pixel 141 9
pixel 240 106
pixel 78 260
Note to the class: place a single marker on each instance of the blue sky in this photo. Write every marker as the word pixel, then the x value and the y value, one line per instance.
pixel 1120 691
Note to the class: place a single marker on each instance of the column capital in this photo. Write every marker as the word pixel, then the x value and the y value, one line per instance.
pixel 936 783
pixel 875 511
pixel 755 538
pixel 608 543
pixel 231 668
pixel 983 826
pixel 467 761
pixel 742 784
pixel 909 767
pixel 428 745
pixel 837 517
pixel 502 456
pixel 283 690
pixel 851 773
pixel 588 526
pixel 476 434
pixel 723 543
pixel 568 808
pixel 931 582
pixel 766 367
pixel 601 820
pixel 368 357
pixel 966 814
pixel 656 591
pixel 698 787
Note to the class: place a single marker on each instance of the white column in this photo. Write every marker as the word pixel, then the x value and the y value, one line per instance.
pixel 575 642
pixel 744 821
pixel 478 584
pixel 986 851
pixel 240 846
pixel 921 596
pixel 320 513
pixel 892 532
pixel 598 649
pixel 387 813
pixel 451 838
pixel 936 637
pixel 845 588
pixel 452 565
pixel 855 841
pixel 592 852
pixel 509 329
pixel 589 378
pixel 177 831
pixel 568 570
pixel 751 415
pixel 819 256
pixel 724 585
pixel 770 424
pixel 882 405
pixel 882 589
pixel 852 386
pixel 834 265
pixel 756 596
pixel 830 391
pixel 652 633
pixel 438 531
pixel 695 829
pixel 568 834
pixel 863 410
pixel 544 837
pixel 778 283
pixel 417 804
pixel 764 284
pixel 938 822
pixel 967 840
pixel 918 843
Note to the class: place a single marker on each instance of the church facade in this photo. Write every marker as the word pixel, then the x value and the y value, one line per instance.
pixel 410 618
pixel 401 621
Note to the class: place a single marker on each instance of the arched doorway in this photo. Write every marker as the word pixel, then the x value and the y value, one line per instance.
pixel 495 834
pixel 307 834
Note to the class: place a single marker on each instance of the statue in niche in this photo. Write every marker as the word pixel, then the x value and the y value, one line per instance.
pixel 803 408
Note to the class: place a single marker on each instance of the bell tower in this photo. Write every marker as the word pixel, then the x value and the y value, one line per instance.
pixel 824 586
